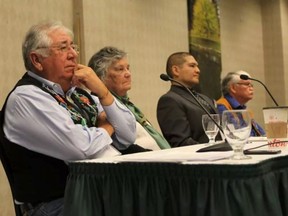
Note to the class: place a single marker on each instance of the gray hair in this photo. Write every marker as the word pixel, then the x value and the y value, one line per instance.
pixel 230 78
pixel 104 58
pixel 37 37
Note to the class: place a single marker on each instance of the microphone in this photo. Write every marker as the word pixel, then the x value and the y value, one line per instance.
pixel 165 77
pixel 217 147
pixel 245 77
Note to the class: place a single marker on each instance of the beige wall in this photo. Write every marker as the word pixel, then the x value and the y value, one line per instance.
pixel 242 44
pixel 275 76
pixel 149 31
pixel 284 25
pixel 252 39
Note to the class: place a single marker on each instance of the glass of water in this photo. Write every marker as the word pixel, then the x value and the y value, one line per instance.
pixel 236 125
pixel 209 126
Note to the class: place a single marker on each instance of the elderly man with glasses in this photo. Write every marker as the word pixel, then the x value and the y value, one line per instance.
pixel 48 119
pixel 236 93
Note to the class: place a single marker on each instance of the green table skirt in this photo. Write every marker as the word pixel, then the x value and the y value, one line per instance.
pixel 161 189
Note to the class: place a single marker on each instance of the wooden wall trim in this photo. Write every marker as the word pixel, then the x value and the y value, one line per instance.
pixel 78 28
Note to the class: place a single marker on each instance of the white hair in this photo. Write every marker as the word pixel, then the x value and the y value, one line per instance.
pixel 230 78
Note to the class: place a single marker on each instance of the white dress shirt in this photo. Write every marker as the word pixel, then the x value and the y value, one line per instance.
pixel 35 120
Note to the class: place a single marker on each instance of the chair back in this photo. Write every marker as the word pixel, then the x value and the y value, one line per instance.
pixel 6 165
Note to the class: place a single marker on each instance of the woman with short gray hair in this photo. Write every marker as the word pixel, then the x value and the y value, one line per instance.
pixel 111 65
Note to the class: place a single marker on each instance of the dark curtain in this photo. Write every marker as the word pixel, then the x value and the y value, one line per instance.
pixel 161 189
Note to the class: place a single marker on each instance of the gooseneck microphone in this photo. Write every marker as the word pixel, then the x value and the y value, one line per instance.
pixel 165 77
pixel 245 77
pixel 223 146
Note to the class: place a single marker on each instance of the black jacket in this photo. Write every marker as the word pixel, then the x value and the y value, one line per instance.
pixel 180 117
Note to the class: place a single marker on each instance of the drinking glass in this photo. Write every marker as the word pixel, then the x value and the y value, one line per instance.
pixel 209 126
pixel 236 125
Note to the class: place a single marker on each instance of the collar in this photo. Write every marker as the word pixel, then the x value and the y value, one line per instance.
pixel 55 86
pixel 121 98
pixel 233 102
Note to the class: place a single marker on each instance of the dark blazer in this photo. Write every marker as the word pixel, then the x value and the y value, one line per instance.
pixel 180 117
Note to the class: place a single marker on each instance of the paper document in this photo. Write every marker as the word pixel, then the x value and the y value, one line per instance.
pixel 175 157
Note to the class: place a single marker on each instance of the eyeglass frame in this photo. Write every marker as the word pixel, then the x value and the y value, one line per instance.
pixel 250 85
pixel 61 48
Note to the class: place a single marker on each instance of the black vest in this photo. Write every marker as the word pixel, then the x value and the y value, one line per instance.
pixel 36 177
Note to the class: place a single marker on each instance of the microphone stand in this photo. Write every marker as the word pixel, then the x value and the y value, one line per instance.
pixel 266 90
pixel 245 77
pixel 217 147
pixel 166 78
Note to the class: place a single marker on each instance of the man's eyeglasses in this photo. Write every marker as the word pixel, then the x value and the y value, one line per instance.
pixel 246 84
pixel 63 47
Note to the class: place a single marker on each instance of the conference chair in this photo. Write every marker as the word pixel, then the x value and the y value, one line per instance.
pixel 8 170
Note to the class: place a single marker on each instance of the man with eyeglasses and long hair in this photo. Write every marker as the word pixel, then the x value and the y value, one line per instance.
pixel 48 119
pixel 235 94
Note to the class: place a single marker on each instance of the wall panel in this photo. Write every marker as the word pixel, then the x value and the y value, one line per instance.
pixel 149 31
pixel 242 45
